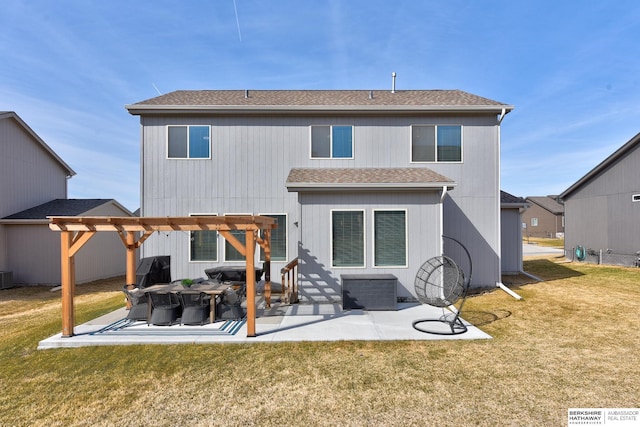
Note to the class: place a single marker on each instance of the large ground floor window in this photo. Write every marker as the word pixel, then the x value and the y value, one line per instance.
pixel 348 241
pixel 203 245
pixel 347 238
pixel 390 238
pixel 278 238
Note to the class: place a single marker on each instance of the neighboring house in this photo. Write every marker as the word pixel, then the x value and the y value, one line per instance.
pixel 543 218
pixel 360 182
pixel 34 250
pixel 511 223
pixel 602 210
pixel 32 175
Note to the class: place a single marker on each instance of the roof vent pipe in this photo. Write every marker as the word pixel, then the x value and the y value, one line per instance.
pixel 393 82
pixel 246 93
pixel 370 94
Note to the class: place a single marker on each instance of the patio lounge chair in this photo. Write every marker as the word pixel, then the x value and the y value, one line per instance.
pixel 139 303
pixel 230 305
pixel 195 308
pixel 166 308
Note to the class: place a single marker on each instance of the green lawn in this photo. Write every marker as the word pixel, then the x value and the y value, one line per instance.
pixel 572 342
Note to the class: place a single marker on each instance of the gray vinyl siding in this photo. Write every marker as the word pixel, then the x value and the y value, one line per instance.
pixel 318 280
pixel 34 252
pixel 252 156
pixel 29 174
pixel 511 241
pixel 601 215
pixel 39 263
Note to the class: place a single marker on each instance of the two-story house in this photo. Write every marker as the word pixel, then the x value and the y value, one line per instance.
pixel 543 218
pixel 359 181
pixel 33 185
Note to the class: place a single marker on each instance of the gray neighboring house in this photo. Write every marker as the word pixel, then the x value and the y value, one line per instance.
pixel 511 211
pixel 359 181
pixel 602 210
pixel 34 250
pixel 543 218
pixel 33 185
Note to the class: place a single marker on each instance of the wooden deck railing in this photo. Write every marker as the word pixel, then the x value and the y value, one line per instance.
pixel 289 276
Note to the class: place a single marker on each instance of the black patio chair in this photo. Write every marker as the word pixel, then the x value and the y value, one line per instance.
pixel 230 305
pixel 196 307
pixel 139 302
pixel 166 308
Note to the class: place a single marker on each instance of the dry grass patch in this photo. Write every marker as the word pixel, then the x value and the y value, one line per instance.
pixel 572 342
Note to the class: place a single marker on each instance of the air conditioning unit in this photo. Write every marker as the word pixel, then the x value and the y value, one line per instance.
pixel 6 280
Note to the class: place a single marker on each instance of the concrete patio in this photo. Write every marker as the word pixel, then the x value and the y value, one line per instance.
pixel 298 322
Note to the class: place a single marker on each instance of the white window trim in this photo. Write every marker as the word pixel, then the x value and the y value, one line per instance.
pixel 217 243
pixel 286 248
pixel 534 222
pixel 436 153
pixel 166 151
pixel 224 245
pixel 353 144
pixel 406 238
pixel 364 238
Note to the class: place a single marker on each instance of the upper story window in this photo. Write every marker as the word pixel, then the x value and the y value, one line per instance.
pixel 436 143
pixel 331 142
pixel 189 142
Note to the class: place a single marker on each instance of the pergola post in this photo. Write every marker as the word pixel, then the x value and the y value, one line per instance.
pixel 67 278
pixel 131 259
pixel 251 282
pixel 267 267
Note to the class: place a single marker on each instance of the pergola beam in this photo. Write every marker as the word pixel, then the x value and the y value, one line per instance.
pixel 146 224
pixel 76 231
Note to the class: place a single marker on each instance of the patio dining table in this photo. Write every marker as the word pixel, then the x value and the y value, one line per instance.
pixel 212 289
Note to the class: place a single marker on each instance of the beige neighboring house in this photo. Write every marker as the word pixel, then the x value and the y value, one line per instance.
pixel 33 185
pixel 543 218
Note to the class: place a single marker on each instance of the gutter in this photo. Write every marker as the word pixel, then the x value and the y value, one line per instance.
pixel 135 109
pixel 400 186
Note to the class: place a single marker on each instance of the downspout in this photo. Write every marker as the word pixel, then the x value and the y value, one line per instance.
pixel 142 159
pixel 499 284
pixel 444 194
pixel 501 117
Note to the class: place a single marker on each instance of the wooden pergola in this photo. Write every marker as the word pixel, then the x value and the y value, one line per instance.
pixel 134 231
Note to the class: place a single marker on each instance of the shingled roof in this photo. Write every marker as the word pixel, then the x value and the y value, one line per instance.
pixel 59 207
pixel 549 203
pixel 365 178
pixel 508 199
pixel 429 100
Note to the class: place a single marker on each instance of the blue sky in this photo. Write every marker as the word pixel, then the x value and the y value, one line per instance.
pixel 571 69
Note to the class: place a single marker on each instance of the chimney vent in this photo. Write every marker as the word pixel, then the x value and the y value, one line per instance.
pixel 393 82
pixel 370 94
pixel 246 93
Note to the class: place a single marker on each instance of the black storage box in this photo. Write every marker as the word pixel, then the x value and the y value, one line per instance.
pixel 369 291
